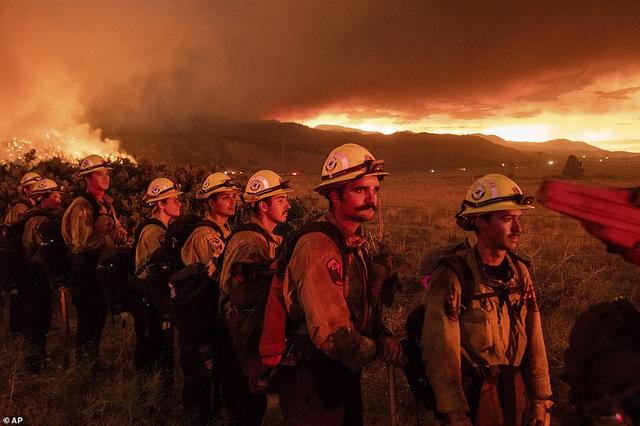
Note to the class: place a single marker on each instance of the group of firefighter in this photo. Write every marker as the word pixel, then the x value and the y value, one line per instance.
pixel 313 304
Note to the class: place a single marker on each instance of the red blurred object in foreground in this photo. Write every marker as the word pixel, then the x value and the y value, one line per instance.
pixel 610 214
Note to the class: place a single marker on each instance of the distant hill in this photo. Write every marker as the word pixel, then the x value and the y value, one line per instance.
pixel 559 147
pixel 293 147
pixel 332 128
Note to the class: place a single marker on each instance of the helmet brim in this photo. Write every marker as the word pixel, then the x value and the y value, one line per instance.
pixel 250 198
pixel 346 178
pixel 97 169
pixel 490 208
pixel 200 196
pixel 170 194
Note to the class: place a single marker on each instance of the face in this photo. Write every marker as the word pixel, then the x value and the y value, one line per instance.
pixel 98 180
pixel 171 206
pixel 224 203
pixel 359 200
pixel 276 209
pixel 502 231
pixel 52 202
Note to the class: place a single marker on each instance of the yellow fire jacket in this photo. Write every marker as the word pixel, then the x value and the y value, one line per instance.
pixel 85 234
pixel 204 245
pixel 460 334
pixel 338 314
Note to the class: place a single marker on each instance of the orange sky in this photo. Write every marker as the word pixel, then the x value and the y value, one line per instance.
pixel 536 71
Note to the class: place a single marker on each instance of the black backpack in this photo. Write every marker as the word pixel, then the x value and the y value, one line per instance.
pixel 53 251
pixel 12 263
pixel 414 369
pixel 602 361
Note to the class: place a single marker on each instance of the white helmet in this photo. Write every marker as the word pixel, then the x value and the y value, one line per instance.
pixel 28 179
pixel 45 186
pixel 161 189
pixel 265 184
pixel 93 163
pixel 215 183
pixel 349 162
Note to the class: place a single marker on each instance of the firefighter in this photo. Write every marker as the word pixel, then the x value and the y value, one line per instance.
pixel 253 243
pixel 26 201
pixel 334 311
pixel 90 226
pixel 154 336
pixel 12 217
pixel 35 291
pixel 203 246
pixel 482 336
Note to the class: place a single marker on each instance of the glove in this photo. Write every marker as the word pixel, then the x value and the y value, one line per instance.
pixel 389 350
pixel 537 413
pixel 119 235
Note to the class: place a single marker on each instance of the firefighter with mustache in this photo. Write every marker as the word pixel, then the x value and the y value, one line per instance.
pixel 482 338
pixel 90 226
pixel 335 311
pixel 253 244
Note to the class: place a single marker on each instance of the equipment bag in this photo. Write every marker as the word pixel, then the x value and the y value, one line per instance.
pixel 12 264
pixel 52 252
pixel 114 273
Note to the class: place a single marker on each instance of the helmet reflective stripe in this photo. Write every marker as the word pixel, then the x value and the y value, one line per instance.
pixel 285 184
pixel 228 184
pixel 519 199
pixel 368 167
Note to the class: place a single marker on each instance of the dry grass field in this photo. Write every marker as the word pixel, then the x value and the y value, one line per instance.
pixel 571 270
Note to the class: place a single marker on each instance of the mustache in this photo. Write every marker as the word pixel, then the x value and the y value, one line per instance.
pixel 515 234
pixel 366 207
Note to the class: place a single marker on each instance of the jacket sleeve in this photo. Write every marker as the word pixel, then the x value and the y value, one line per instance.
pixel 441 341
pixel 315 270
pixel 535 367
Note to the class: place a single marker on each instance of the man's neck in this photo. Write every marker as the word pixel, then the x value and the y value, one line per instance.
pixel 348 225
pixel 490 255
pixel 97 193
pixel 218 219
pixel 162 217
pixel 266 223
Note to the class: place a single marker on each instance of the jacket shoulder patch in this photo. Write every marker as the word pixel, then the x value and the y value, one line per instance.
pixel 335 271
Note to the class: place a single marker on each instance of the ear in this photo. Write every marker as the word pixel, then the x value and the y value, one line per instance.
pixel 263 206
pixel 480 223
pixel 333 196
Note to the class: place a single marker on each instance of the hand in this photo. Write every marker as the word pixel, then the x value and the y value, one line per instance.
pixel 389 350
pixel 537 413
pixel 119 235
pixel 458 418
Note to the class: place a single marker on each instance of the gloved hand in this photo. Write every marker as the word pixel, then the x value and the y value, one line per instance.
pixel 458 418
pixel 537 413
pixel 119 235
pixel 389 350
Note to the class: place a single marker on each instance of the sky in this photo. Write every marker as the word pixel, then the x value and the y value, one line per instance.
pixel 81 72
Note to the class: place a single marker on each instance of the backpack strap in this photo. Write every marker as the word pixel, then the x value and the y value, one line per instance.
pixel 331 231
pixel 95 205
pixel 138 233
pixel 211 224
pixel 245 227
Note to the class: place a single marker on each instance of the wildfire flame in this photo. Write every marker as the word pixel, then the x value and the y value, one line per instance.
pixel 68 145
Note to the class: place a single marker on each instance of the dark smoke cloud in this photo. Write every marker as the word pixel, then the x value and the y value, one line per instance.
pixel 123 65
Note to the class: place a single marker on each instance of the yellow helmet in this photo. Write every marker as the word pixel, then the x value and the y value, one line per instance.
pixel 93 163
pixel 215 183
pixel 349 162
pixel 265 184
pixel 28 180
pixel 45 186
pixel 491 193
pixel 161 189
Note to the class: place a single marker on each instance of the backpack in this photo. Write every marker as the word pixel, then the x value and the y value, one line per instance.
pixel 258 326
pixel 414 370
pixel 53 250
pixel 189 295
pixel 602 361
pixel 12 263
pixel 166 261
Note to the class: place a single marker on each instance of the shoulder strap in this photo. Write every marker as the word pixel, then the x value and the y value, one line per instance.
pixel 148 221
pixel 212 225
pixel 460 268
pixel 245 227
pixel 95 206
pixel 330 231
